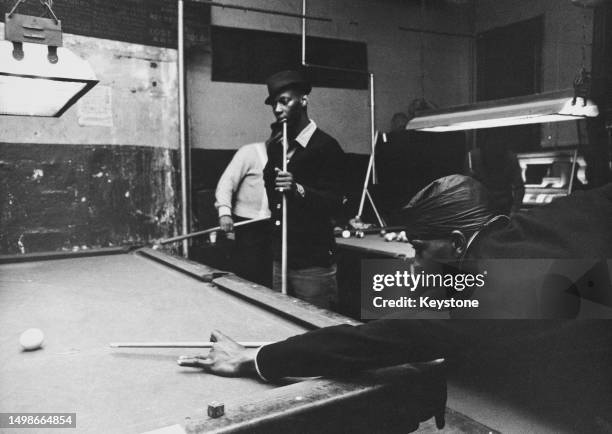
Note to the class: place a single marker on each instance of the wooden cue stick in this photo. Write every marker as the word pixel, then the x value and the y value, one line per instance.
pixel 284 228
pixel 179 344
pixel 207 231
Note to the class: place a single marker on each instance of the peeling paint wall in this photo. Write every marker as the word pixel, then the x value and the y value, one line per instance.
pixel 143 106
pixel 105 173
pixel 66 197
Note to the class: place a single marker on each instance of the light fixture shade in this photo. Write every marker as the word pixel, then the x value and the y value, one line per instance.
pixel 531 109
pixel 33 86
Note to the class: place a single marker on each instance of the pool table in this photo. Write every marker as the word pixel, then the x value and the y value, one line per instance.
pixel 351 251
pixel 86 300
pixel 374 246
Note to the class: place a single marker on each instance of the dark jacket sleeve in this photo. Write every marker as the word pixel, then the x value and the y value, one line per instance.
pixel 325 194
pixel 342 350
pixel 575 226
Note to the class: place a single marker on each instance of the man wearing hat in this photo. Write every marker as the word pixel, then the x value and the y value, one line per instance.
pixel 312 185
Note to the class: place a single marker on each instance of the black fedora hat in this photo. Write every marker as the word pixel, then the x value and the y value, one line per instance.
pixel 286 80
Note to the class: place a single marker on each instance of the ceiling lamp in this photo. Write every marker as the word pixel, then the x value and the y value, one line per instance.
pixel 38 77
pixel 540 108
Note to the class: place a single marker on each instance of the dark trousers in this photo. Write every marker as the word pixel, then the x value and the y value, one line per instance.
pixel 251 255
pixel 316 285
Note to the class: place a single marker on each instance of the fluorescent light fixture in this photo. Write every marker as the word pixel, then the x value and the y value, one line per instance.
pixel 35 87
pixel 540 108
pixel 37 79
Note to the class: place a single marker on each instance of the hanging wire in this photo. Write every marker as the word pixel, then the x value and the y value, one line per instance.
pixel 422 49
pixel 421 104
pixel 584 18
pixel 15 7
pixel 581 88
pixel 47 3
pixel 582 82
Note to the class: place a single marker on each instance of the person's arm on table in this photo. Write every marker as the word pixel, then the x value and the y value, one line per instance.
pixel 332 351
pixel 344 350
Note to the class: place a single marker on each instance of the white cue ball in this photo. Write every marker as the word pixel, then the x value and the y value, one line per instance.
pixel 31 339
pixel 346 234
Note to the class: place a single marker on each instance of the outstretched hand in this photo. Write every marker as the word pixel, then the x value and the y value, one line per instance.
pixel 226 358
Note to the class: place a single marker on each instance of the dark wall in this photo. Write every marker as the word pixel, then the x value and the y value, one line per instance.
pixel 409 160
pixel 207 165
pixel 599 156
pixel 250 56
pixel 56 197
pixel 509 63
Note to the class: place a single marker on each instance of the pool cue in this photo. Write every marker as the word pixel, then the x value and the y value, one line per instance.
pixel 195 344
pixel 365 192
pixel 207 231
pixel 284 229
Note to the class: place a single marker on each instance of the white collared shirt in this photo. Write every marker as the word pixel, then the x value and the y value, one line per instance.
pixel 304 137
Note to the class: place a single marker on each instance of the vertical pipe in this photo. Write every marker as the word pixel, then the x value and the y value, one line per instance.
pixel 183 146
pixel 303 32
pixel 473 71
pixel 372 126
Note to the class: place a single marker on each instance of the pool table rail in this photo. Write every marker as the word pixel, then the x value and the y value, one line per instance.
pixel 297 310
pixel 394 399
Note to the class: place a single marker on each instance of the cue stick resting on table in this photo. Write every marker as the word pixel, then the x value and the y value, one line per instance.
pixel 195 344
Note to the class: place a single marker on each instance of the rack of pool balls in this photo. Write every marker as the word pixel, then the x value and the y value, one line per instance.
pixel 388 236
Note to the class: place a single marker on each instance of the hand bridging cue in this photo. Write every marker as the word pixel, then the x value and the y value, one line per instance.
pixel 226 358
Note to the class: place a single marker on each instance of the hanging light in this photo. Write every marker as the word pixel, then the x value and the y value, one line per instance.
pixel 540 108
pixel 39 77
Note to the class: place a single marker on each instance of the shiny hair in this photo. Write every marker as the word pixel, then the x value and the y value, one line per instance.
pixel 454 202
